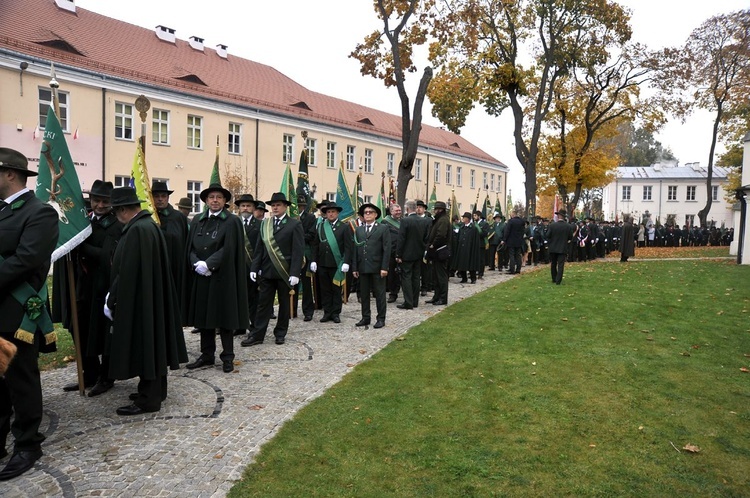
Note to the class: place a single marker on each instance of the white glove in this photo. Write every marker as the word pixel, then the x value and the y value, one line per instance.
pixel 201 268
pixel 253 276
pixel 107 311
pixel 344 267
pixel 293 281
pixel 313 267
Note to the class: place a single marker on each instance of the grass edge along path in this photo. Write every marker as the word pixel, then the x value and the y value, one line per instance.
pixel 589 388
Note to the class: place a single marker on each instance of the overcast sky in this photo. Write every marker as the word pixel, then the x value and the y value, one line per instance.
pixel 310 41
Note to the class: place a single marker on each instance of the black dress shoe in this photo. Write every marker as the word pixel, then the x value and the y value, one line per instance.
pixel 362 323
pixel 391 299
pixel 404 306
pixel 308 318
pixel 227 366
pixel 202 361
pixel 473 281
pixel 336 319
pixel 423 293
pixel 101 387
pixel 326 318
pixel 379 324
pixel 439 303
pixel 133 410
pixel 239 332
pixel 273 316
pixel 251 341
pixel 430 301
pixel 463 281
pixel 280 340
pixel 195 331
pixel 133 396
pixel 20 462
pixel 74 387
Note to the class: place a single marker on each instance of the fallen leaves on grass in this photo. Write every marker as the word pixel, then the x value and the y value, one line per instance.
pixel 744 370
pixel 256 407
pixel 68 359
pixel 691 448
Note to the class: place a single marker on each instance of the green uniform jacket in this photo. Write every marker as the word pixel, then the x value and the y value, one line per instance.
pixel 146 332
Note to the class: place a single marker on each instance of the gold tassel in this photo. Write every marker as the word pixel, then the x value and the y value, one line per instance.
pixel 24 336
pixel 50 338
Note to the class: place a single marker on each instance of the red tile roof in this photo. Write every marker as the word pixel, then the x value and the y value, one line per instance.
pixel 91 41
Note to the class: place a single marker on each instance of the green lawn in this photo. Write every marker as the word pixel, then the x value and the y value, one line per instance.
pixel 591 388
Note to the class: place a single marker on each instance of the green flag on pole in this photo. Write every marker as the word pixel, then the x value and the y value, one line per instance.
pixel 498 207
pixel 303 183
pixel 215 176
pixel 343 198
pixel 433 199
pixel 287 188
pixel 58 186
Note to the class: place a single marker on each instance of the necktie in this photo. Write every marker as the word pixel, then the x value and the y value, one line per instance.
pixel 276 222
pixel 367 231
pixel 247 221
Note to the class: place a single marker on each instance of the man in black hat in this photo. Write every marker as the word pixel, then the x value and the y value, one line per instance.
pixel 146 337
pixel 246 206
pixel 513 240
pixel 185 206
pixel 372 254
pixel 470 249
pixel 559 237
pixel 94 263
pixel 392 220
pixel 277 267
pixel 174 224
pixel 438 242
pixel 426 285
pixel 331 258
pixel 216 291
pixel 410 248
pixel 309 223
pixel 493 240
pixel 484 230
pixel 30 230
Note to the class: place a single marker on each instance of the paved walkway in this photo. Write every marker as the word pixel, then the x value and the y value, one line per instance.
pixel 212 424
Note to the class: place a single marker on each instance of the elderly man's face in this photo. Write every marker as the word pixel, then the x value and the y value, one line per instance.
pixel 101 206
pixel 215 201
pixel 332 214
pixel 395 210
pixel 161 200
pixel 246 209
pixel 278 208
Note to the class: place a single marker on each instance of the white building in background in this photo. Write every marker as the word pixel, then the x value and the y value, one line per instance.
pixel 663 191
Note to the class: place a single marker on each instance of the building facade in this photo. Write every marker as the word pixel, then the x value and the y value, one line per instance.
pixel 201 96
pixel 667 192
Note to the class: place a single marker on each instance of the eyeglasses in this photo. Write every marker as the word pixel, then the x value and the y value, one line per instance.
pixel 369 211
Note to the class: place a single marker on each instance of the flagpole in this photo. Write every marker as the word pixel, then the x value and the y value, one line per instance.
pixel 142 105
pixel 54 85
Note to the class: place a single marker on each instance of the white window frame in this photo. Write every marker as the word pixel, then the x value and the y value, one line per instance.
pixel 690 193
pixel 492 182
pixel 436 172
pixel 418 170
pixel 287 148
pixel 46 100
pixel 194 132
pixel 472 179
pixel 122 181
pixel 484 179
pixel 194 188
pixel 672 192
pixel 160 127
pixel 714 193
pixel 311 145
pixel 124 119
pixel 369 154
pixel 448 174
pixel 351 157
pixel 626 191
pixel 368 199
pixel 390 163
pixel 648 192
pixel 234 138
pixel 331 196
pixel 459 175
pixel 331 155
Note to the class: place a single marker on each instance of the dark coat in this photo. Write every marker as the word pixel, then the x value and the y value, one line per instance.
pixel 627 241
pixel 28 235
pixel 290 238
pixel 470 247
pixel 372 252
pixel 146 336
pixel 412 237
pixel 252 234
pixel 514 232
pixel 559 236
pixel 219 300
pixel 321 250
pixel 174 225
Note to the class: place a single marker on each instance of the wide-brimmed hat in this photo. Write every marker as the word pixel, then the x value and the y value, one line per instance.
pixel 368 205
pixel 158 186
pixel 478 213
pixel 101 189
pixel 244 198
pixel 562 212
pixel 124 196
pixel 497 215
pixel 422 204
pixel 216 187
pixel 185 203
pixel 279 197
pixel 322 204
pixel 331 205
pixel 441 205
pixel 466 215
pixel 13 159
pixel 261 205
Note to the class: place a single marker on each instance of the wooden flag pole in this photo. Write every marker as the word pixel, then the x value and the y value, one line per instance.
pixel 291 303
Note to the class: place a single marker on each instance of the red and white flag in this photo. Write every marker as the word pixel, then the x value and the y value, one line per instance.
pixel 75 134
pixel 36 133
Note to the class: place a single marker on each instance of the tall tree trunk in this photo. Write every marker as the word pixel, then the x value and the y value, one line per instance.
pixel 410 135
pixel 703 213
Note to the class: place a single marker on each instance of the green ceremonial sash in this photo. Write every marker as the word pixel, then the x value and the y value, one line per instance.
pixel 273 250
pixel 339 278
pixel 392 222
pixel 35 313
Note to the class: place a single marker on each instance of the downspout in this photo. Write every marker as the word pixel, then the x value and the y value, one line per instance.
pixel 742 196
pixel 257 154
pixel 427 180
pixel 104 131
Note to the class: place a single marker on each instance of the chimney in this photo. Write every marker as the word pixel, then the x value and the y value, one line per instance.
pixel 165 33
pixel 221 50
pixel 196 43
pixel 69 5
